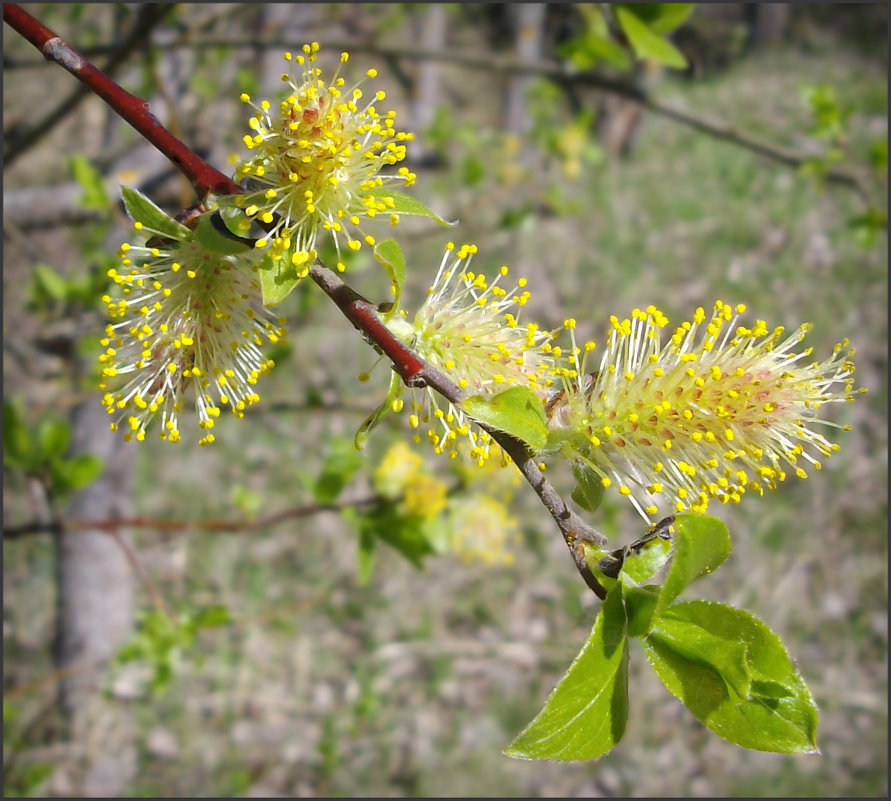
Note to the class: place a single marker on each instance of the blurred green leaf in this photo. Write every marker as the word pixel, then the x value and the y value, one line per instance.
pixel 878 155
pixel 701 543
pixel 341 464
pixel 645 43
pixel 390 255
pixel 47 284
pixel 402 533
pixel 77 473
pixel 517 411
pixel 868 226
pixel 17 448
pixel 94 196
pixel 661 18
pixel 595 44
pixel 142 210
pixel 212 617
pixel 585 715
pixel 365 555
pixel 53 438
pixel 777 712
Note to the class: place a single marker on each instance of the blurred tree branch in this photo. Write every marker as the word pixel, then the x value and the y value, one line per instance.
pixel 563 74
pixel 18 140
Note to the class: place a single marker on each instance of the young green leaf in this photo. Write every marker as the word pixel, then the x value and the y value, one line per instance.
pixel 701 543
pixel 777 713
pixel 699 646
pixel 585 715
pixel 645 561
pixel 647 44
pixel 390 255
pixel 277 280
pixel 588 492
pixel 380 412
pixel 517 411
pixel 400 203
pixel 142 210
pixel 214 235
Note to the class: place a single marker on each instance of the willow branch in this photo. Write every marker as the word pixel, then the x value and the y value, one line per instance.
pixel 203 177
pixel 413 370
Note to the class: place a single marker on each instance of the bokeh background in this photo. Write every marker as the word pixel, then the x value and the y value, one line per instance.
pixel 312 682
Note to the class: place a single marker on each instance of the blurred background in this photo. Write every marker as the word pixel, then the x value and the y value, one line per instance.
pixel 248 634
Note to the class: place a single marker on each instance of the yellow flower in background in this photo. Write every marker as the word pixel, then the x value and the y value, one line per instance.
pixel 187 328
pixel 715 412
pixel 320 159
pixel 483 530
pixel 469 329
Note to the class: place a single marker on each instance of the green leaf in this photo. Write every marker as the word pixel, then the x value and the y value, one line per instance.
pixel 214 235
pixel 340 466
pixel 661 18
pixel 640 604
pixel 90 179
pixel 645 43
pixel 878 155
pixel 402 533
pixel 54 438
pixel 212 617
pixel 370 422
pixel 595 44
pixel 277 280
pixel 777 714
pixel 585 715
pixel 645 561
pixel 588 492
pixel 17 448
pixel 142 210
pixel 390 255
pixel 49 284
pixel 695 644
pixel 701 543
pixel 405 204
pixel 517 411
pixel 76 473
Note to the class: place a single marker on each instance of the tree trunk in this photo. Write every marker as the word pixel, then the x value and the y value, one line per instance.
pixel 530 21
pixel 95 613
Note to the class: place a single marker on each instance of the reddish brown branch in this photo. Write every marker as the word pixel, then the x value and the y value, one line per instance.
pixel 413 370
pixel 203 177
